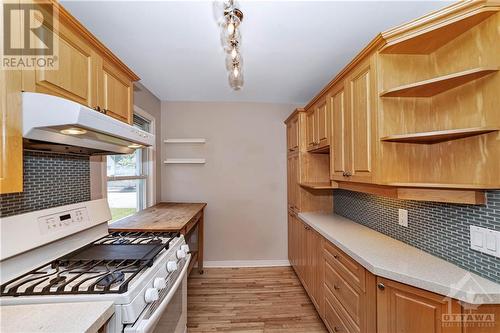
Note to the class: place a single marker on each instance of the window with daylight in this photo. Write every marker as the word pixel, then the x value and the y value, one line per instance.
pixel 127 178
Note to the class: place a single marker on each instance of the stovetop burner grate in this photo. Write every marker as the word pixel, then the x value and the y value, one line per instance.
pixel 106 265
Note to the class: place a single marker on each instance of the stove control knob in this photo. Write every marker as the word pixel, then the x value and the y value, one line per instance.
pixel 159 283
pixel 181 254
pixel 185 248
pixel 151 295
pixel 171 266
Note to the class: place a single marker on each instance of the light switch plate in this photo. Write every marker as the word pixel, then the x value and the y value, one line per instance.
pixel 403 217
pixel 485 240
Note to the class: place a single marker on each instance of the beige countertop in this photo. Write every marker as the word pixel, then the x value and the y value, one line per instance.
pixel 389 258
pixel 55 317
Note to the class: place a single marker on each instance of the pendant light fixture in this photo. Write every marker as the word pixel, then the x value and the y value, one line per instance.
pixel 231 39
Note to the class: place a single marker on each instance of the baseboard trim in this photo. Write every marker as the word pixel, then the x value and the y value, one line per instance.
pixel 245 263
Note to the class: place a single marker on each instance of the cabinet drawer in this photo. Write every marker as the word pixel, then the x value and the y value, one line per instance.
pixel 349 269
pixel 349 298
pixel 334 320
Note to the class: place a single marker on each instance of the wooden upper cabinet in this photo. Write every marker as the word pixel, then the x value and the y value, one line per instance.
pixel 362 122
pixel 310 129
pixel 402 308
pixel 115 93
pixel 11 141
pixel 292 134
pixel 87 72
pixel 338 162
pixel 318 126
pixel 293 177
pixel 75 76
pixel 323 124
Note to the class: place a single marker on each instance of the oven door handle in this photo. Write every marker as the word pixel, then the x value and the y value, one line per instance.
pixel 148 325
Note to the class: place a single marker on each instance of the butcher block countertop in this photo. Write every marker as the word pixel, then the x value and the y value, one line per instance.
pixel 165 216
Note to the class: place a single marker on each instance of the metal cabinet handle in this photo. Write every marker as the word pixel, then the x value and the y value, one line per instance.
pixel 100 110
pixel 381 286
pixel 336 256
pixel 336 287
pixel 337 329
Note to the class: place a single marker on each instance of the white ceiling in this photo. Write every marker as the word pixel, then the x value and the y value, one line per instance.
pixel 291 49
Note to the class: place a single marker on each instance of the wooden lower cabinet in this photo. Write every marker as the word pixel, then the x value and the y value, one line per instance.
pixel 349 290
pixel 305 254
pixel 402 308
pixel 350 299
pixel 489 322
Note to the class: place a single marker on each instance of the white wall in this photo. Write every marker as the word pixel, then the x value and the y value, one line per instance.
pixel 243 181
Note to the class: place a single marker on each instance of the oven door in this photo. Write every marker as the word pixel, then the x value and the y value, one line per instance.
pixel 169 313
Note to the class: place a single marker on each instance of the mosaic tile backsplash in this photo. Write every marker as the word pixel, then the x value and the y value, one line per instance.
pixel 436 228
pixel 50 180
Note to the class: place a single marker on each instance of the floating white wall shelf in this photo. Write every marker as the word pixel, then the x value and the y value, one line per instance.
pixel 191 140
pixel 185 161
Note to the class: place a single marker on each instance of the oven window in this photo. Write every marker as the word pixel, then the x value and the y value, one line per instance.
pixel 169 321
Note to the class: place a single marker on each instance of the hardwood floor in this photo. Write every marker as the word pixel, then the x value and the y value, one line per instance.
pixel 250 300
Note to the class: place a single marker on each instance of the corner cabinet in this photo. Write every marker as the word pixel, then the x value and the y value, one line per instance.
pixel 87 73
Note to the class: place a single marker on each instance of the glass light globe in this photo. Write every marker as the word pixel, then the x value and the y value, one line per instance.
pixel 236 78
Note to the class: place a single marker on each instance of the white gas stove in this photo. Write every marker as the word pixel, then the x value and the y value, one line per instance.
pixel 69 256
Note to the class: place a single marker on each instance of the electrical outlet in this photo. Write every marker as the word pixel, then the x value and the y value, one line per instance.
pixel 403 217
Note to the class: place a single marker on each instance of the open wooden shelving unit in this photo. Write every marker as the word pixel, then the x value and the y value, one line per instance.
pixel 438 136
pixel 438 100
pixel 434 33
pixel 437 85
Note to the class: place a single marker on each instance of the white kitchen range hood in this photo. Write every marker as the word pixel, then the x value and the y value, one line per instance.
pixel 56 124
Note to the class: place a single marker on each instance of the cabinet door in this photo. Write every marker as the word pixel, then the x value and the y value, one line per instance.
pixel 401 308
pixel 361 90
pixel 339 134
pixel 490 322
pixel 322 125
pixel 289 175
pixel 310 129
pixel 11 140
pixel 115 93
pixel 315 267
pixel 292 135
pixel 75 76
pixel 291 247
pixel 295 134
